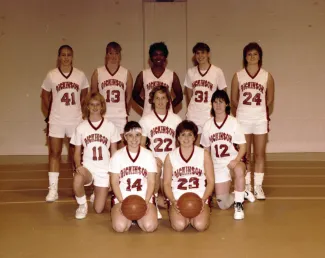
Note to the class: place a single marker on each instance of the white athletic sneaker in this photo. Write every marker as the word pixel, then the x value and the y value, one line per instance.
pixel 53 195
pixel 239 211
pixel 92 198
pixel 82 211
pixel 259 193
pixel 159 216
pixel 249 196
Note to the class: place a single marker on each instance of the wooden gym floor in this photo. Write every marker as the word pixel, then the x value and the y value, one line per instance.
pixel 290 223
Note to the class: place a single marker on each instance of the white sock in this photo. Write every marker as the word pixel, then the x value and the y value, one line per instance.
pixel 81 200
pixel 248 178
pixel 53 178
pixel 239 196
pixel 258 178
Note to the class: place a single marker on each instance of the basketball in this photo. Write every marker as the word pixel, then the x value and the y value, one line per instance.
pixel 134 207
pixel 190 205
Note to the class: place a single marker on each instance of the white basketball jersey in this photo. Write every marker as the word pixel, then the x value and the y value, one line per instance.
pixel 113 89
pixel 133 169
pixel 203 86
pixel 188 175
pixel 96 139
pixel 252 96
pixel 222 137
pixel 161 131
pixel 66 89
pixel 150 81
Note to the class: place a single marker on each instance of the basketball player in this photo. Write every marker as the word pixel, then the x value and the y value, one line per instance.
pixel 159 127
pixel 133 170
pixel 99 138
pixel 157 75
pixel 252 92
pixel 221 134
pixel 115 83
pixel 201 81
pixel 67 87
pixel 188 168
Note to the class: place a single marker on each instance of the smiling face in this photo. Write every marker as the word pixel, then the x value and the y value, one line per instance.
pixel 252 57
pixel 65 57
pixel 202 57
pixel 158 58
pixel 186 138
pixel 113 56
pixel 219 107
pixel 133 138
pixel 95 107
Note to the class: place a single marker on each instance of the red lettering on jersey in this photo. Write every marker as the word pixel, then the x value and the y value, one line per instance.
pixel 96 137
pixel 220 137
pixel 162 129
pixel 252 85
pixel 133 170
pixel 67 85
pixel 154 84
pixel 188 170
pixel 202 83
pixel 112 82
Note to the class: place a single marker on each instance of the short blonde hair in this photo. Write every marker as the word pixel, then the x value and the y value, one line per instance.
pixel 93 96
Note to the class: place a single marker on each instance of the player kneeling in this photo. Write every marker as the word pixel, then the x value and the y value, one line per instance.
pixel 133 170
pixel 188 168
pixel 221 134
pixel 98 137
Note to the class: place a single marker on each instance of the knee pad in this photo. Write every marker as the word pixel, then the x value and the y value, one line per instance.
pixel 225 201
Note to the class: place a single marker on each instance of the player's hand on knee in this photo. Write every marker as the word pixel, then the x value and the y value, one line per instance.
pixel 232 164
pixel 159 162
pixel 81 170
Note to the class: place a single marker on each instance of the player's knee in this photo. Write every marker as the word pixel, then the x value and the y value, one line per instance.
pixel 120 227
pixel 224 201
pixel 179 225
pixel 150 226
pixel 99 208
pixel 78 180
pixel 259 157
pixel 55 154
pixel 239 172
pixel 200 225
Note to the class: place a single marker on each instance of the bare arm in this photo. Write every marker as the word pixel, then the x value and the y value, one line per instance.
pixel 209 174
pixel 177 89
pixel 83 95
pixel 46 102
pixel 270 90
pixel 77 155
pixel 115 183
pixel 189 94
pixel 128 92
pixel 168 170
pixel 151 185
pixel 136 93
pixel 113 148
pixel 94 82
pixel 235 91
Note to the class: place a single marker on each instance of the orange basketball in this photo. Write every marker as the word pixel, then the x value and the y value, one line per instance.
pixel 190 205
pixel 134 207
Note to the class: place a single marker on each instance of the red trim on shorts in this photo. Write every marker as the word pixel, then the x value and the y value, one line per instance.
pixel 94 127
pixel 203 74
pixel 189 158
pixel 161 120
pixel 253 76
pixel 136 157
pixel 224 121
pixel 64 74
pixel 112 74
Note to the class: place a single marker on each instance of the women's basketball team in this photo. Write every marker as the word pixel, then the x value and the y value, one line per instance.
pixel 160 157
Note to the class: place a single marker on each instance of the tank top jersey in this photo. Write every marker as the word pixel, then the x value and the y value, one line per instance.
pixel 112 86
pixel 66 89
pixel 161 132
pixel 203 86
pixel 133 169
pixel 96 141
pixel 222 138
pixel 188 175
pixel 252 96
pixel 150 81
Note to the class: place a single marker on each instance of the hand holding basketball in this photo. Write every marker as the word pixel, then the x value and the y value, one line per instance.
pixel 134 207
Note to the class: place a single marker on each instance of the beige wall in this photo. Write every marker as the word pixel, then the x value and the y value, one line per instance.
pixel 291 33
